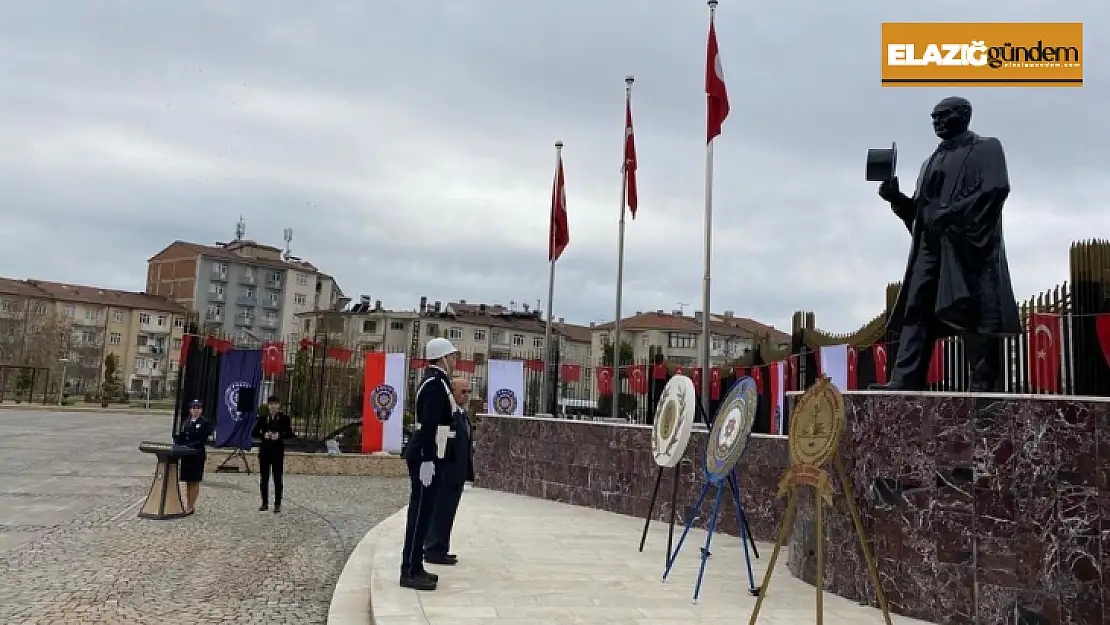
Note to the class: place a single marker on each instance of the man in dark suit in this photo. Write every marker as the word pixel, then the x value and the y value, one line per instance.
pixel 272 431
pixel 424 454
pixel 458 468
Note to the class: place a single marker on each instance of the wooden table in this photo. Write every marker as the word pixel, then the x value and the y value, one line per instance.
pixel 164 499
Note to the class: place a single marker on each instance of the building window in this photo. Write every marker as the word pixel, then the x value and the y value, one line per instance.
pixel 5 305
pixel 218 289
pixel 91 314
pixel 144 318
pixel 176 343
pixel 273 299
pixel 68 311
pixel 178 322
pixel 432 329
pixel 299 299
pixel 480 336
pixel 40 309
pixel 248 293
pixel 115 338
pixel 248 272
pixel 161 321
pixel 117 316
pixel 680 340
pixel 604 338
pixel 537 342
pixel 220 268
pixel 644 340
pixel 396 325
pixel 369 326
pixel 498 338
pixel 518 340
pixel 302 279
pixel 455 333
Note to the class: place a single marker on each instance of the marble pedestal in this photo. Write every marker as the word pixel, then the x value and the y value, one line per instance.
pixel 1000 513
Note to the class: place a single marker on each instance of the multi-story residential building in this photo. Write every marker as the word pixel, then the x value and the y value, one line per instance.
pixel 364 327
pixel 242 289
pixel 485 331
pixel 51 324
pixel 677 337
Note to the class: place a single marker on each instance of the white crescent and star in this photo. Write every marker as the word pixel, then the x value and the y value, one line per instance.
pixel 1042 353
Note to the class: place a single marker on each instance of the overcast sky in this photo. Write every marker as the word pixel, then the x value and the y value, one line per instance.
pixel 410 145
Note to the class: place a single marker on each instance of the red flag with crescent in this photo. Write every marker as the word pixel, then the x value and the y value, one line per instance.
pixel 715 383
pixel 638 379
pixel 853 368
pixel 273 358
pixel 1044 352
pixel 605 380
pixel 879 353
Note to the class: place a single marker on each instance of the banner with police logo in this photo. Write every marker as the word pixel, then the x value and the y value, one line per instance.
pixel 505 387
pixel 237 405
pixel 383 403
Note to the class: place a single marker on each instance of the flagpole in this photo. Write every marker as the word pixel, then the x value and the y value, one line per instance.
pixel 616 386
pixel 548 396
pixel 705 304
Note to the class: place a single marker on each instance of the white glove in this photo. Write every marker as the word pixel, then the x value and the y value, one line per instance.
pixel 427 472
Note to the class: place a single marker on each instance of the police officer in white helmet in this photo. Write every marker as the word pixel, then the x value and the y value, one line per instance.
pixel 425 451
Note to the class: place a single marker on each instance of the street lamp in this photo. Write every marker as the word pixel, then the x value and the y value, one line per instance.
pixel 62 386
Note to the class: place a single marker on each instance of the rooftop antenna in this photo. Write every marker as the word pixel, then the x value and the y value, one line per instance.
pixel 240 228
pixel 288 242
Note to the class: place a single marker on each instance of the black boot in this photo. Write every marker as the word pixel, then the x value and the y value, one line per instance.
pixel 420 581
pixel 264 507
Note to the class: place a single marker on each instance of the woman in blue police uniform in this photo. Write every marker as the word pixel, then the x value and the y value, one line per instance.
pixel 434 409
pixel 194 433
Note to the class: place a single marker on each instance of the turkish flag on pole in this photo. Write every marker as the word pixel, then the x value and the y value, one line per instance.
pixel 717 94
pixel 637 379
pixel 630 159
pixel 1044 352
pixel 715 383
pixel 559 235
pixel 853 368
pixel 878 351
pixel 696 378
pixel 273 358
pixel 605 380
pixel 570 372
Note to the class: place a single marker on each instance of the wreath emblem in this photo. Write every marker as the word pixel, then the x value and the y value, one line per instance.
pixel 504 402
pixel 231 399
pixel 383 399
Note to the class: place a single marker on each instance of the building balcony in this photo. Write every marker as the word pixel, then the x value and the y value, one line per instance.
pixel 244 321
pixel 154 328
pixel 215 297
pixel 272 305
pixel 248 279
pixel 243 300
pixel 273 285
pixel 218 275
pixel 269 324
pixel 213 317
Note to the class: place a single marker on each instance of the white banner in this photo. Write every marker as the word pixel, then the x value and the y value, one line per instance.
pixel 834 364
pixel 505 387
pixel 396 377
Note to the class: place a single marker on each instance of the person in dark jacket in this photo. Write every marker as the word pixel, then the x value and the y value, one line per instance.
pixel 194 433
pixel 457 469
pixel 272 431
pixel 435 413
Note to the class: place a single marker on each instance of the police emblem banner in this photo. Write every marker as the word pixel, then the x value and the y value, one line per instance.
pixel 505 387
pixel 239 369
pixel 732 426
pixel 383 402
pixel 674 420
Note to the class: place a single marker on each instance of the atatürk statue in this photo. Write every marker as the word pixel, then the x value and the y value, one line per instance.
pixel 957 281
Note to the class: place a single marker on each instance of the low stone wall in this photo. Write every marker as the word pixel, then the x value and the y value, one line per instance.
pixel 388 465
pixel 610 467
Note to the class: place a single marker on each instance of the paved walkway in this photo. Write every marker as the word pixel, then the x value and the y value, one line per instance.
pixel 73 551
pixel 530 561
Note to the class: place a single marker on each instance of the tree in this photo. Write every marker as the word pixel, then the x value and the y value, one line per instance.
pixel 111 389
pixel 627 354
pixel 627 401
pixel 532 404
pixel 49 336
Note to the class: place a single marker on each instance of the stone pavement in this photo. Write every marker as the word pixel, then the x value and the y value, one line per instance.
pixel 72 549
pixel 530 561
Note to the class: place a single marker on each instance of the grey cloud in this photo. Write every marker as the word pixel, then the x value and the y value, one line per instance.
pixel 410 146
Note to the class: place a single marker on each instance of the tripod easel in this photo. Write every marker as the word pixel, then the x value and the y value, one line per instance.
pixel 235 455
pixel 746 537
pixel 815 428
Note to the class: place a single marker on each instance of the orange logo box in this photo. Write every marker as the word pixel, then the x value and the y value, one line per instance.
pixel 1016 54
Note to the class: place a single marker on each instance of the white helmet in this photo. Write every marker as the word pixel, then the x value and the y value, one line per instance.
pixel 438 348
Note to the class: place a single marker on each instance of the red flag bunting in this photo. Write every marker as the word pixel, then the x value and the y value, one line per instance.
pixel 559 233
pixel 716 94
pixel 342 354
pixel 757 376
pixel 790 372
pixel 638 379
pixel 1044 352
pixel 418 363
pixel 570 373
pixel 715 383
pixel 878 351
pixel 1102 329
pixel 183 358
pixel 696 377
pixel 465 366
pixel 630 159
pixel 936 364
pixel 853 368
pixel 659 371
pixel 273 358
pixel 605 380
pixel 221 346
pixel 533 364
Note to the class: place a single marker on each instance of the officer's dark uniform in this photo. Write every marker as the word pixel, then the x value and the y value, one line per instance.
pixel 433 409
pixel 458 468
pixel 194 433
pixel 271 455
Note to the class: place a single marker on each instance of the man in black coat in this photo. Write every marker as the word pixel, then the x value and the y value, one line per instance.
pixel 957 281
pixel 424 455
pixel 458 468
pixel 272 431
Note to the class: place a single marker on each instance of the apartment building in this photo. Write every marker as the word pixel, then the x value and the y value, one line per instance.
pixel 75 327
pixel 365 326
pixel 677 337
pixel 242 289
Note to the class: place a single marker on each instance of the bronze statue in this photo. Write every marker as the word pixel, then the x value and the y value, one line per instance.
pixel 957 281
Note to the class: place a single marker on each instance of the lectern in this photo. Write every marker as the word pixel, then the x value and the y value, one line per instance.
pixel 164 499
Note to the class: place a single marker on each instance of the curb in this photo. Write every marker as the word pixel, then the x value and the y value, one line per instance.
pixel 350 601
pixel 83 409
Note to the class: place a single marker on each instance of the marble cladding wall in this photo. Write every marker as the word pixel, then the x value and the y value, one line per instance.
pixel 610 467
pixel 1008 495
